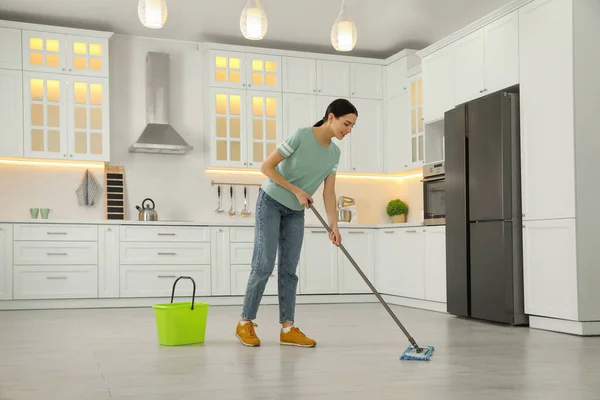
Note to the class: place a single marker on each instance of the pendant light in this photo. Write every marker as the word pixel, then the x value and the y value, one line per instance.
pixel 343 32
pixel 253 21
pixel 152 13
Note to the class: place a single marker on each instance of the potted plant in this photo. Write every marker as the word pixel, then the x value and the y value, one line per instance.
pixel 397 210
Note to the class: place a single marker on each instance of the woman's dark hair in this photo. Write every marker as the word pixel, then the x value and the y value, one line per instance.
pixel 338 108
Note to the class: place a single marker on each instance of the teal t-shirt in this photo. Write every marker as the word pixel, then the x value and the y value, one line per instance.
pixel 306 165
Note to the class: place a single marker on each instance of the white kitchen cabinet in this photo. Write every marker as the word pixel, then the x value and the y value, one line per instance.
pixel 65 54
pixel 6 261
pixel 360 245
pixel 502 53
pixel 152 257
pixel 311 76
pixel 396 79
pixel 435 263
pixel 108 261
pixel 264 126
pixel 55 253
pixel 299 111
pixel 397 139
pixel 397 136
pixel 438 83
pixel 299 75
pixel 55 282
pixel 66 118
pixel 164 233
pixel 333 78
pixel 547 110
pixel 387 260
pixel 245 126
pixel 55 261
pixel 239 70
pixel 10 43
pixel 366 81
pixel 158 280
pixel 318 263
pixel 88 134
pixel 220 261
pixel 417 127
pixel 45 113
pixel 487 60
pixel 11 112
pixel 550 268
pixel 469 63
pixel 411 272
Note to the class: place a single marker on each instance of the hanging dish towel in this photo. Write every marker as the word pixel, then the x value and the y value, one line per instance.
pixel 86 192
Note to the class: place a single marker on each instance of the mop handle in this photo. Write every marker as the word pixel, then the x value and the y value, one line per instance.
pixel 389 310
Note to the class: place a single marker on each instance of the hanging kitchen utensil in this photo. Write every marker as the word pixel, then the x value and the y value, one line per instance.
pixel 219 209
pixel 231 209
pixel 245 212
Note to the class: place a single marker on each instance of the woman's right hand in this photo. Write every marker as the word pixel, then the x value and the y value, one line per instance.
pixel 303 197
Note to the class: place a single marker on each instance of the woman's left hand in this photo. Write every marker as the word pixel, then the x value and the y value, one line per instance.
pixel 335 236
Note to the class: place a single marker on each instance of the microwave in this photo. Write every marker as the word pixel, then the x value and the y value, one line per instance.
pixel 434 193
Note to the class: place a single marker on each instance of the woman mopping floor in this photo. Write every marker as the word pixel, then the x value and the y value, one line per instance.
pixel 294 171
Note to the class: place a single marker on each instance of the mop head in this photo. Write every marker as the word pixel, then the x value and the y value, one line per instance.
pixel 411 353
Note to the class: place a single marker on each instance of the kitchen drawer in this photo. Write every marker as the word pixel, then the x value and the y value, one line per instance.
pixel 56 232
pixel 165 253
pixel 241 234
pixel 165 234
pixel 157 280
pixel 241 253
pixel 55 282
pixel 55 253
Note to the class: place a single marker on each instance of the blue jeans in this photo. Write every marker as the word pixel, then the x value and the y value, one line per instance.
pixel 277 228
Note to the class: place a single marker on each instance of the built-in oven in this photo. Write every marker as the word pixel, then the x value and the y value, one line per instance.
pixel 434 194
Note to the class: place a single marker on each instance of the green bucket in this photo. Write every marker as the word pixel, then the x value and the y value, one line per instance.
pixel 179 324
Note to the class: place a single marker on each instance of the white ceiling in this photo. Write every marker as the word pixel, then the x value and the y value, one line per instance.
pixel 384 26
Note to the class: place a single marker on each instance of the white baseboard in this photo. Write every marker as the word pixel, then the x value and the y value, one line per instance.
pixel 579 328
pixel 50 304
pixel 415 303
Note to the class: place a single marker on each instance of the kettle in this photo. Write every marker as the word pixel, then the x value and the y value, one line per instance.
pixel 147 213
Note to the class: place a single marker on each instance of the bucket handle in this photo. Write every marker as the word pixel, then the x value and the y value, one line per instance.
pixel 193 283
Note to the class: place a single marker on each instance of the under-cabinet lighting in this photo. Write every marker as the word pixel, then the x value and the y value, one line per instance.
pixel 47 163
pixel 341 175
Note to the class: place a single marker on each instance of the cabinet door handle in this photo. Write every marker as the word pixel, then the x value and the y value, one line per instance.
pixel 318 231
pixel 56 277
pixel 57 254
pixel 56 233
pixel 167 254
pixel 166 276
pixel 412 231
pixel 166 234
pixel 388 232
pixel 357 232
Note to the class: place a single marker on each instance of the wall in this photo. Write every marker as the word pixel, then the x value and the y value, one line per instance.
pixel 179 185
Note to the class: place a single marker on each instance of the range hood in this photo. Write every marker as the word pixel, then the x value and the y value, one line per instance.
pixel 159 137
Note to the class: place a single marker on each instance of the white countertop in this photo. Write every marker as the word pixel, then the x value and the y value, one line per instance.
pixel 232 222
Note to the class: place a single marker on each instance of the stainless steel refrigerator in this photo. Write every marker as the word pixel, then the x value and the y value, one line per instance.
pixel 484 252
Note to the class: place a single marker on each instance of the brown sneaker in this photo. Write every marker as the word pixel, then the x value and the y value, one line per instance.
pixel 295 337
pixel 246 334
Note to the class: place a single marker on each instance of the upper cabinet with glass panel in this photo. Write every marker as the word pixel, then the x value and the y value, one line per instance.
pixel 65 54
pixel 242 70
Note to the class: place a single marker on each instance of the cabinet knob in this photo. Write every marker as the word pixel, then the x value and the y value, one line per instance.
pixel 109 229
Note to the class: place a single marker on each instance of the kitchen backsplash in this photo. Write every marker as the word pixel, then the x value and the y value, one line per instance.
pixel 179 185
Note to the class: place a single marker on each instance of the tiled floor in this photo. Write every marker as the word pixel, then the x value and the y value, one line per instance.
pixel 113 354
